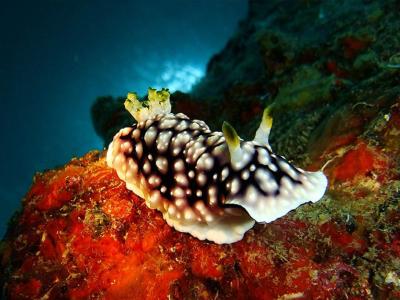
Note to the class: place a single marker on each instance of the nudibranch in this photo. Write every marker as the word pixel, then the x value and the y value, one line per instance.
pixel 212 185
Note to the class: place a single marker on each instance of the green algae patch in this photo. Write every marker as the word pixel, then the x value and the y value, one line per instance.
pixel 308 86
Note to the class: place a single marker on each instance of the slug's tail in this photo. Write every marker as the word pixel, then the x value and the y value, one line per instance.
pixel 265 184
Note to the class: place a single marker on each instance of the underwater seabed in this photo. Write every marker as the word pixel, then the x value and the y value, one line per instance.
pixel 331 74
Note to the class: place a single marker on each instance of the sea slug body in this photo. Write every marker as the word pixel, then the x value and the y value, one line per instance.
pixel 212 185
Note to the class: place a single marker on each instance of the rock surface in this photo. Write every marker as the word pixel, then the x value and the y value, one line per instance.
pixel 332 73
pixel 82 235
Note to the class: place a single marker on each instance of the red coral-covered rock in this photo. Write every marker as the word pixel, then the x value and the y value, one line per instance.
pixel 353 45
pixel 361 160
pixel 103 242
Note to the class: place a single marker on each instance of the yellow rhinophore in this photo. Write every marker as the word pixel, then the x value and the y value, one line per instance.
pixel 263 131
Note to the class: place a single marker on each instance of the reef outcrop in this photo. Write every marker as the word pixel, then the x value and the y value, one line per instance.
pixel 82 234
pixel 331 72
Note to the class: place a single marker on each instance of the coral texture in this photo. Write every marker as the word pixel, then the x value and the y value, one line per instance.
pixel 82 235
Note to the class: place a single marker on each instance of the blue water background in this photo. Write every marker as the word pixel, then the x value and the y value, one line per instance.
pixel 57 56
